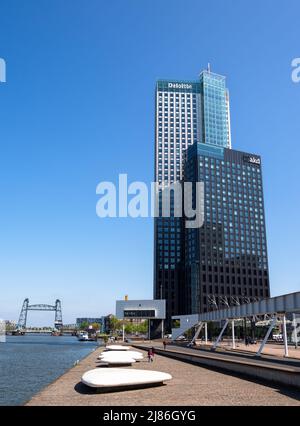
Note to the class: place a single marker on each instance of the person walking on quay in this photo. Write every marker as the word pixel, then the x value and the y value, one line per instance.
pixel 165 344
pixel 150 355
pixel 153 352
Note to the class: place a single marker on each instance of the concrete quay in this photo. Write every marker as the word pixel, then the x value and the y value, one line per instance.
pixel 191 385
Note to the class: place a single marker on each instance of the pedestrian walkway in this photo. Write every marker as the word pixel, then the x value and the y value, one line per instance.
pixel 191 385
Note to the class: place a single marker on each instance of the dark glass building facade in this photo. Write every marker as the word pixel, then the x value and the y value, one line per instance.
pixel 226 259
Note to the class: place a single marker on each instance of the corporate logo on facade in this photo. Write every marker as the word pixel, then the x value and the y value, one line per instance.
pixel 252 159
pixel 2 70
pixel 179 86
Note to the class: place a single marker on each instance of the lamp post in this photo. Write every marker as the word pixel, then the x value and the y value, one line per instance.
pixel 295 331
pixel 286 349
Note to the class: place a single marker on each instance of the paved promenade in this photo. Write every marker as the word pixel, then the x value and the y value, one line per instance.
pixel 191 385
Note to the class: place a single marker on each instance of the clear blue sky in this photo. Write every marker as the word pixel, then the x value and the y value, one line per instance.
pixel 78 108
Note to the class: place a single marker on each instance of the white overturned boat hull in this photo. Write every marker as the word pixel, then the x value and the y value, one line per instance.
pixel 119 377
pixel 119 354
pixel 124 361
pixel 117 348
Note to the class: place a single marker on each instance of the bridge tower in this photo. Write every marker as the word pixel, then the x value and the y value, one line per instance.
pixel 23 315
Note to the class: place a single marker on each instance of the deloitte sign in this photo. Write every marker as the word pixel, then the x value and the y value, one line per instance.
pixel 179 86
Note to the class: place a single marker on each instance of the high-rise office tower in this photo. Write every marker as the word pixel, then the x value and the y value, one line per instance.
pixel 226 259
pixel 187 112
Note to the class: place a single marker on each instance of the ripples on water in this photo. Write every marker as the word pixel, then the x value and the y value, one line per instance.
pixel 28 363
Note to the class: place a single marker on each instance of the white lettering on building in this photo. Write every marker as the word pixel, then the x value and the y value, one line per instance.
pixel 254 160
pixel 179 86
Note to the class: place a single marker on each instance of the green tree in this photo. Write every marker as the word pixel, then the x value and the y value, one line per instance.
pixel 115 324
pixel 96 326
pixel 142 327
pixel 84 325
pixel 129 328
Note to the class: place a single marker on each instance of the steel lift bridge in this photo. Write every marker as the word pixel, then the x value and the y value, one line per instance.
pixel 275 308
pixel 40 307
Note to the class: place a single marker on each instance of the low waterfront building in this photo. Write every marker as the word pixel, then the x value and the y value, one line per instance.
pixel 152 310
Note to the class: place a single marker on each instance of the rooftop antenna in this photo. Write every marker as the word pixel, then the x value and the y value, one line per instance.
pixel 208 67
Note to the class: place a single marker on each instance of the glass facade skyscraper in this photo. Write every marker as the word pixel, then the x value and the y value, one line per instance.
pixel 226 259
pixel 188 114
pixel 177 127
